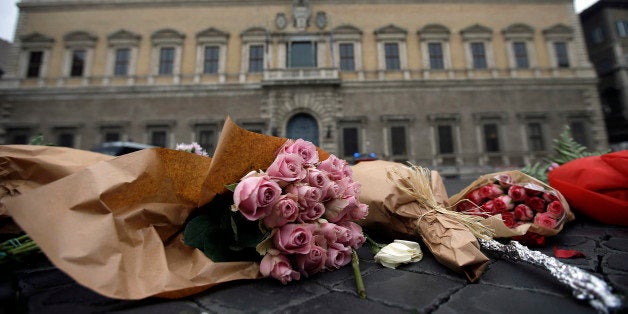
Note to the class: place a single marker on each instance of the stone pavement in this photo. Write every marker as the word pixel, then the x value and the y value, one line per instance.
pixel 425 287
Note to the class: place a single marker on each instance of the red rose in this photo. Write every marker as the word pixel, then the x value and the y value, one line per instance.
pixel 533 189
pixel 530 239
pixel 536 203
pixel 550 196
pixel 475 197
pixel 509 219
pixel 490 208
pixel 503 204
pixel 490 191
pixel 523 212
pixel 504 180
pixel 517 193
pixel 545 220
pixel 555 209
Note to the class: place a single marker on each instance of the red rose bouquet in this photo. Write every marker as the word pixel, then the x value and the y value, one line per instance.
pixel 298 214
pixel 514 204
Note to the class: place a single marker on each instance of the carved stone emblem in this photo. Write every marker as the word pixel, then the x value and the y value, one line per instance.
pixel 281 21
pixel 301 12
pixel 321 19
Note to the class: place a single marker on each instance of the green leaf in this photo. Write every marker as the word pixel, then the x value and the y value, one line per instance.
pixel 247 233
pixel 205 234
pixel 231 187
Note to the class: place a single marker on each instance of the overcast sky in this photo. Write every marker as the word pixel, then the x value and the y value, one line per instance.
pixel 8 16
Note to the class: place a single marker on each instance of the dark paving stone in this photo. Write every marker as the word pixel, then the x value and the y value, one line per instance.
pixel 522 276
pixel 405 289
pixel 179 307
pixel 258 295
pixel 338 302
pixel 75 298
pixel 585 245
pixel 31 282
pixel 618 244
pixel 619 283
pixel 429 265
pixel 615 262
pixel 333 278
pixel 492 299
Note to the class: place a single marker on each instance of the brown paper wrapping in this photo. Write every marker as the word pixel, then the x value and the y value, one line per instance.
pixel 115 226
pixel 395 214
pixel 496 223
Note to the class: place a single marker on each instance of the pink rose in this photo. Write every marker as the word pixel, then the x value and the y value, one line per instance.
pixel 550 196
pixel 330 191
pixel 334 166
pixel 489 208
pixel 293 238
pixel 287 168
pixel 504 179
pixel 509 219
pixel 555 210
pixel 517 193
pixel 523 212
pixel 503 204
pixel 305 149
pixel 545 220
pixel 475 197
pixel 357 236
pixel 278 267
pixel 317 178
pixel 490 191
pixel 337 209
pixel 307 195
pixel 334 233
pixel 536 203
pixel 312 212
pixel 338 255
pixel 254 196
pixel 352 189
pixel 312 262
pixel 285 210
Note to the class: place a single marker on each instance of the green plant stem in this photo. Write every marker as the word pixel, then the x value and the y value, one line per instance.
pixel 374 246
pixel 355 262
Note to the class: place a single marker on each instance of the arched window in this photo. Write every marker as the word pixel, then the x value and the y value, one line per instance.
pixel 303 126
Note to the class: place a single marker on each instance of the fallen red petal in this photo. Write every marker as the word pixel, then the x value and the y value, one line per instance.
pixel 560 253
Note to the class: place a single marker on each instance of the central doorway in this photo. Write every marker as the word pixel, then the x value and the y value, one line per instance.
pixel 303 126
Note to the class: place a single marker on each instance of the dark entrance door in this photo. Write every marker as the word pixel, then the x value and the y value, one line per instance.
pixel 303 126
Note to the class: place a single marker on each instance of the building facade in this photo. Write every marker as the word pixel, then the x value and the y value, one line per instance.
pixel 605 25
pixel 450 84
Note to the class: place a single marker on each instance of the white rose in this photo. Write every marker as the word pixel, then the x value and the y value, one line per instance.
pixel 399 252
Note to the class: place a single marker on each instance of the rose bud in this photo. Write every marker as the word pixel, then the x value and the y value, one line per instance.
pixel 464 205
pixel 334 233
pixel 489 208
pixel 307 195
pixel 517 193
pixel 505 180
pixel 357 236
pixel 293 238
pixel 317 178
pixel 536 203
pixel 545 220
pixel 475 197
pixel 352 189
pixel 509 219
pixel 358 212
pixel 503 204
pixel 399 252
pixel 337 209
pixel 312 262
pixel 490 191
pixel 312 212
pixel 338 255
pixel 278 267
pixel 305 149
pixel 475 211
pixel 550 196
pixel 287 168
pixel 523 212
pixel 254 196
pixel 555 210
pixel 533 189
pixel 334 166
pixel 330 191
pixel 283 211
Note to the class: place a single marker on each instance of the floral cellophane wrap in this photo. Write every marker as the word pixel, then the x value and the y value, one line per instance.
pixel 496 223
pixel 395 214
pixel 115 224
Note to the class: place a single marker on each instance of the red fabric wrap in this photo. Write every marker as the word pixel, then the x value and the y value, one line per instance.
pixel 596 186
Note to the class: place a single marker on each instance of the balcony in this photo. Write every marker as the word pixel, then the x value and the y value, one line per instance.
pixel 316 76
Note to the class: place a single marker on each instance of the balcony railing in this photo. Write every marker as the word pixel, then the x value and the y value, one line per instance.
pixel 301 76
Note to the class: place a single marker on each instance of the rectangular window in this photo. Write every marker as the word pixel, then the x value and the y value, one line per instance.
pixel 65 139
pixel 256 58
pixel 435 51
pixel 18 135
pixel 622 28
pixel 578 132
pixel 35 60
pixel 562 58
pixel 347 58
pixel 391 52
pixel 121 67
pixel 521 55
pixel 398 140
pixel 207 140
pixel 112 136
pixel 78 63
pixel 158 138
pixel 166 61
pixel 210 64
pixel 301 54
pixel 349 141
pixel 535 137
pixel 597 35
pixel 445 139
pixel 478 54
pixel 491 137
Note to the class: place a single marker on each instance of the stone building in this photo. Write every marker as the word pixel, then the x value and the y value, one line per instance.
pixel 444 83
pixel 605 26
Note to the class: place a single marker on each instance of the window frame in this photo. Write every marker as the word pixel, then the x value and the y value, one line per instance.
pixel 30 66
pixel 520 55
pixel 122 39
pixel 166 61
pixel 392 57
pixel 479 58
pixel 211 62
pixel 121 65
pixel 256 61
pixel 346 60
pixel 561 55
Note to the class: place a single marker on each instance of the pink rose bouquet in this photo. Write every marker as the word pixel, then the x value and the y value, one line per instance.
pixel 298 214
pixel 514 204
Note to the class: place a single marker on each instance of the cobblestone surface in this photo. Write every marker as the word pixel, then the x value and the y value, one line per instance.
pixel 424 287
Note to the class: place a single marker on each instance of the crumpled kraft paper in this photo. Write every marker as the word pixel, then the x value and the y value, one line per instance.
pixel 395 214
pixel 497 224
pixel 115 226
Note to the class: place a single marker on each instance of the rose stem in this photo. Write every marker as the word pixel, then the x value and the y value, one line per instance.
pixel 355 262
